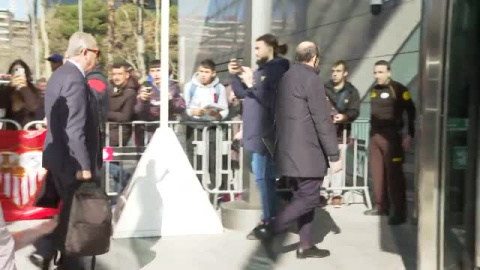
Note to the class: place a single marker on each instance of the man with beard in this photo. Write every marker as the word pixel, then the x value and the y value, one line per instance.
pixel 259 90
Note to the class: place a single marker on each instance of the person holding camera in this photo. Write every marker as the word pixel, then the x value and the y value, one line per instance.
pixel 258 89
pixel 147 107
pixel 20 99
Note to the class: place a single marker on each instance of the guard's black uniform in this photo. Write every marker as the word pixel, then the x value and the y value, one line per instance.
pixel 388 104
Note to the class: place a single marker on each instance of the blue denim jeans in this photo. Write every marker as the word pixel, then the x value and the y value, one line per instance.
pixel 263 168
pixel 119 176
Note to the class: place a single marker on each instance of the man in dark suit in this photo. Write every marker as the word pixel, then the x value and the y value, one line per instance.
pixel 306 144
pixel 72 148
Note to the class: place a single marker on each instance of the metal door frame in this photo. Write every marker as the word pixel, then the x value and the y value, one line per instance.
pixel 432 82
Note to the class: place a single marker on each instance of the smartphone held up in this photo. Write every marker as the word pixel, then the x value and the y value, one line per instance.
pixel 147 87
pixel 235 65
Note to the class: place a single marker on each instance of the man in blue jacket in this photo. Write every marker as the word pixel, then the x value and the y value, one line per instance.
pixel 258 90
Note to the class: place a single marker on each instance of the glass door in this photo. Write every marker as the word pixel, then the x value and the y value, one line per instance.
pixel 460 136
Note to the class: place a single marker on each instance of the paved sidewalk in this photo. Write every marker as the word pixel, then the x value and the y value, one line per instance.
pixel 355 241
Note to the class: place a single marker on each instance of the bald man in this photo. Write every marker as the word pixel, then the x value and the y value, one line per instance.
pixel 303 160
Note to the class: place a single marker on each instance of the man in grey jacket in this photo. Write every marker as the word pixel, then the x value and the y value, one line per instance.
pixel 306 143
pixel 72 150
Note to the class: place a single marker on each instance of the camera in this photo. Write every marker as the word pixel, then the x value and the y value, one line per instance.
pixel 376 6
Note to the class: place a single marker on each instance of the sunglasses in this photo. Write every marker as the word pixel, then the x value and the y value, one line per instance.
pixel 96 52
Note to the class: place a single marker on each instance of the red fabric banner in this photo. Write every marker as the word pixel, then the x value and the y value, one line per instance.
pixel 21 174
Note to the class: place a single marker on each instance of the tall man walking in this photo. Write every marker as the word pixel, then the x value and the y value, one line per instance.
pixel 72 148
pixel 258 89
pixel 306 143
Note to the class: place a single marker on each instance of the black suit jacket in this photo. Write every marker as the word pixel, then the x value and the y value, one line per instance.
pixel 72 142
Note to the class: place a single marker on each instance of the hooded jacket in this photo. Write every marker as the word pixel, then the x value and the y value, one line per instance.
pixel 259 102
pixel 205 95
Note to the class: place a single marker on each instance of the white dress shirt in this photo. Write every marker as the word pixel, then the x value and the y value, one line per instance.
pixel 78 66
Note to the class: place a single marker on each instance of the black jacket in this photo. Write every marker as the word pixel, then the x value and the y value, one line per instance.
pixel 259 102
pixel 346 101
pixel 120 109
pixel 388 104
pixel 72 141
pixel 306 136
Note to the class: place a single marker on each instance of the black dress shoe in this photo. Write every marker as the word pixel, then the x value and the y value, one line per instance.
pixel 263 232
pixel 396 220
pixel 251 235
pixel 323 202
pixel 312 252
pixel 375 212
pixel 39 261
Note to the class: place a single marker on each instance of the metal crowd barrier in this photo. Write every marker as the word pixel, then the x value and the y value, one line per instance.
pixel 360 178
pixel 226 179
pixel 361 130
pixel 354 153
pixel 3 123
pixel 35 124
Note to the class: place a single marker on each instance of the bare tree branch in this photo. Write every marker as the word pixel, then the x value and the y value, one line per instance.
pixel 129 61
pixel 129 21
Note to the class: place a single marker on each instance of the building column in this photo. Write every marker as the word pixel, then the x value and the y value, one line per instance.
pixel 244 215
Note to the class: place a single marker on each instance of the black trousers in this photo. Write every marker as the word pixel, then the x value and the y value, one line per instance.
pixel 47 245
pixel 306 197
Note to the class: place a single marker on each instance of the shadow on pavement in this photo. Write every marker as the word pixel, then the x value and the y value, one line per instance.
pixel 266 255
pixel 400 240
pixel 149 214
pixel 323 224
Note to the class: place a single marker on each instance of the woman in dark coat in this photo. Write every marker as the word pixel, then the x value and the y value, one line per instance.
pixel 20 98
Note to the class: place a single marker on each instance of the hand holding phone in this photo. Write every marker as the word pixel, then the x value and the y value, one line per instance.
pixel 19 72
pixel 147 87
pixel 18 81
pixel 235 66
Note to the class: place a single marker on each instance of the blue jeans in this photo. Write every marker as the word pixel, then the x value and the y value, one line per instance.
pixel 120 177
pixel 263 168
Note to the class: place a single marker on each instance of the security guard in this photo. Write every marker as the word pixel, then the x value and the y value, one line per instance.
pixel 389 101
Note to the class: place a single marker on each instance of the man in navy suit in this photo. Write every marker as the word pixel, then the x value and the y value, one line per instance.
pixel 72 150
